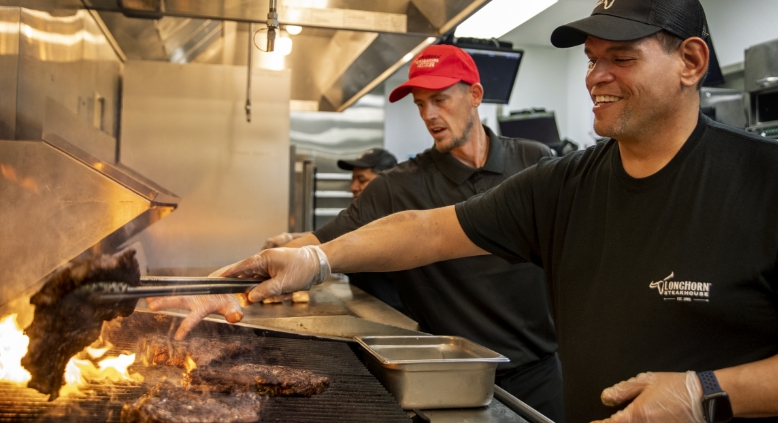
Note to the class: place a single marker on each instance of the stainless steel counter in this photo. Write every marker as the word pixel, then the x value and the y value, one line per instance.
pixel 338 310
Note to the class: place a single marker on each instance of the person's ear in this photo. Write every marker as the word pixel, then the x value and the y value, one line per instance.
pixel 476 94
pixel 695 54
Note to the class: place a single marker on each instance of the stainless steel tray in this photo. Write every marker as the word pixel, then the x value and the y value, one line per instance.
pixel 433 371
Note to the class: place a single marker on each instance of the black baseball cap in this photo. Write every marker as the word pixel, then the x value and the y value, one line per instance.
pixel 375 158
pixel 627 20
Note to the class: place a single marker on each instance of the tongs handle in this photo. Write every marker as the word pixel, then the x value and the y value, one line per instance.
pixel 189 280
pixel 118 291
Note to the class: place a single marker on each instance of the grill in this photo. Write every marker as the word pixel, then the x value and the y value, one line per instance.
pixel 354 394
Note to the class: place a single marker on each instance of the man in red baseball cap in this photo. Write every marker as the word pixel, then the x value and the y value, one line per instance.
pixel 498 304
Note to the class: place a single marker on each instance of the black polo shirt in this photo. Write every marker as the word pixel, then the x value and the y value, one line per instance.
pixel 668 273
pixel 485 299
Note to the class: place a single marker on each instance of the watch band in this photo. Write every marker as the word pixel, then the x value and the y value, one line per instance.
pixel 710 385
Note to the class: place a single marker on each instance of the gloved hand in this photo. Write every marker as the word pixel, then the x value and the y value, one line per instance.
pixel 286 270
pixel 282 239
pixel 278 241
pixel 200 306
pixel 657 398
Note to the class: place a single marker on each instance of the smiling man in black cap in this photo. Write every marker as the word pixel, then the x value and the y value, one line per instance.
pixel 659 244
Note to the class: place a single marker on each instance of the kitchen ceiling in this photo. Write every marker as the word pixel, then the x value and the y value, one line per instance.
pixel 346 47
pixel 537 31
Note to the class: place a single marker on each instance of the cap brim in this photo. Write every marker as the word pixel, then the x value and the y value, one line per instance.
pixel 429 82
pixel 351 164
pixel 605 27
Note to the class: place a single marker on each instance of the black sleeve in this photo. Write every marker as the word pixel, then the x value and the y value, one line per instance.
pixel 374 203
pixel 502 220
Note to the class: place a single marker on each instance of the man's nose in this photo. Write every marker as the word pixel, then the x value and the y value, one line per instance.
pixel 354 187
pixel 429 112
pixel 599 73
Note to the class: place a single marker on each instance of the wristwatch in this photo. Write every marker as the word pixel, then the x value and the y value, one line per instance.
pixel 715 402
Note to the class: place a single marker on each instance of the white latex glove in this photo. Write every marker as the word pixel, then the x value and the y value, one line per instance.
pixel 282 239
pixel 286 270
pixel 199 306
pixel 278 241
pixel 656 398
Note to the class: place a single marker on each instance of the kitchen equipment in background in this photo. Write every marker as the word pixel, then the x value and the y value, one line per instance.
pixel 724 105
pixel 497 63
pixel 761 80
pixel 537 125
pixel 433 371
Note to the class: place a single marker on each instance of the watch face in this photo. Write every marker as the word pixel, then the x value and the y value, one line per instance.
pixel 717 408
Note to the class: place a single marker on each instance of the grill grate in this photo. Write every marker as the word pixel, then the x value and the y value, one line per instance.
pixel 354 394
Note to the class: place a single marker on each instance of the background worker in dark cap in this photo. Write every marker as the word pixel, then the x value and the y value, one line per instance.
pixel 497 304
pixel 659 244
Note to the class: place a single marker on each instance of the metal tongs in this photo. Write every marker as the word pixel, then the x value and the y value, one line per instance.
pixel 159 286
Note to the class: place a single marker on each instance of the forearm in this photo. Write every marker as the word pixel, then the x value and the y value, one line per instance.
pixel 307 239
pixel 752 387
pixel 401 241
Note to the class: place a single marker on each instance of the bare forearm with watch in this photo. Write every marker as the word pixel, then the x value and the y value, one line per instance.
pixel 749 391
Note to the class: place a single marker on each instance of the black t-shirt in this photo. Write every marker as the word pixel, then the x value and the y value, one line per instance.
pixel 499 305
pixel 672 272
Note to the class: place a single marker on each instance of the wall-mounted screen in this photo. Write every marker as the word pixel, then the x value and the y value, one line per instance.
pixel 498 70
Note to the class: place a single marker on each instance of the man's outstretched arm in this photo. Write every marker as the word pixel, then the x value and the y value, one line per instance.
pixel 401 241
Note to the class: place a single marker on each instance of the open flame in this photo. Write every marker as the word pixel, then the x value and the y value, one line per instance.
pixel 189 364
pixel 79 371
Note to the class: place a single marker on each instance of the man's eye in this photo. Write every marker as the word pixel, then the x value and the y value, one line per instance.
pixel 591 63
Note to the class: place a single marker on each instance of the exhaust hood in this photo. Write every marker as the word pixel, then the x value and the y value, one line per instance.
pixel 346 47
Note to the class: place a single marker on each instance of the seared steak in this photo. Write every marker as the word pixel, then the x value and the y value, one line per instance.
pixel 275 381
pixel 167 403
pixel 159 350
pixel 65 324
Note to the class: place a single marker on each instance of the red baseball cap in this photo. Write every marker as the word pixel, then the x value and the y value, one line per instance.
pixel 436 68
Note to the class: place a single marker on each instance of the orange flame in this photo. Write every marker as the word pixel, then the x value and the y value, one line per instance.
pixel 78 372
pixel 9 173
pixel 189 364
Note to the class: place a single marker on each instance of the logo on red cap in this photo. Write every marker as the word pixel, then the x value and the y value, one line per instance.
pixel 427 61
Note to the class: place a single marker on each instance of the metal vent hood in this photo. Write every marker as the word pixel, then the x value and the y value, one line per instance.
pixel 346 47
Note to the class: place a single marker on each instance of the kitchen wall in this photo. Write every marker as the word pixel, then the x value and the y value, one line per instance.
pixel 184 127
pixel 736 25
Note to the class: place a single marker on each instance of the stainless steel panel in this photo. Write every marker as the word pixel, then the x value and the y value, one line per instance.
pixel 730 105
pixel 184 127
pixel 10 18
pixel 433 371
pixel 761 66
pixel 66 57
pixel 55 207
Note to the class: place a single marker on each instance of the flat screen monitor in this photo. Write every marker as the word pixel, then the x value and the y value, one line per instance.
pixel 498 70
pixel 537 126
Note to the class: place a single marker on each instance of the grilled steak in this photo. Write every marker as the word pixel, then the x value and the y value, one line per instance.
pixel 65 324
pixel 167 403
pixel 275 381
pixel 159 350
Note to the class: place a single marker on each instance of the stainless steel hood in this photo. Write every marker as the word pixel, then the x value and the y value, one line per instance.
pixel 346 48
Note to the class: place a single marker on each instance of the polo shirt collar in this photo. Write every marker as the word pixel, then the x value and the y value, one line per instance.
pixel 459 172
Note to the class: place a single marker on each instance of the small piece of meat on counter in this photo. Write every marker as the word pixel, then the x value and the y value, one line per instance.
pixel 167 403
pixel 275 381
pixel 159 350
pixel 65 324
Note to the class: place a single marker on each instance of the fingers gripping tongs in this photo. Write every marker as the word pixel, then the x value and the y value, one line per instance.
pixel 157 286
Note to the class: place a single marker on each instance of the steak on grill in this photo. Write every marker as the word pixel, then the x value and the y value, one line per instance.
pixel 167 403
pixel 264 380
pixel 159 350
pixel 65 324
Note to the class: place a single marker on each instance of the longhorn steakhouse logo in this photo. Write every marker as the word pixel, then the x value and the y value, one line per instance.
pixel 686 291
pixel 606 3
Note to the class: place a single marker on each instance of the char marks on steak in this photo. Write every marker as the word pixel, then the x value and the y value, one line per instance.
pixel 65 324
pixel 159 350
pixel 265 380
pixel 167 403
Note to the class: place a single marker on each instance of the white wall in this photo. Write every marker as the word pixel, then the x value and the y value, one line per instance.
pixel 184 127
pixel 736 25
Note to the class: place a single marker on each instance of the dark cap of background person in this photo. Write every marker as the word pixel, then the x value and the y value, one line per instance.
pixel 627 20
pixel 436 68
pixel 375 158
